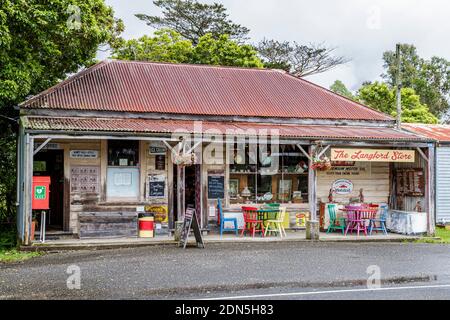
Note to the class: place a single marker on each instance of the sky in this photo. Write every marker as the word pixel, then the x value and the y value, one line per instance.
pixel 359 29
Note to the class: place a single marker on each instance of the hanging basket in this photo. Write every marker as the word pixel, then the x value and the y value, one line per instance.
pixel 185 160
pixel 321 164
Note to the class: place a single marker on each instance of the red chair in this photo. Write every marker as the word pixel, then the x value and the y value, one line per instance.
pixel 253 222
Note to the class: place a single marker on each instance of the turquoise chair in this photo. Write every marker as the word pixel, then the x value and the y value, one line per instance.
pixel 223 220
pixel 335 223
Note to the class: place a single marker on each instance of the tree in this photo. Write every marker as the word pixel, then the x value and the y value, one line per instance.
pixel 169 46
pixel 298 60
pixel 381 97
pixel 41 42
pixel 429 78
pixel 193 20
pixel 339 87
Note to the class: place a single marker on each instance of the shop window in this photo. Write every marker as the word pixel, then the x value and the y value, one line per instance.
pixel 123 153
pixel 264 183
pixel 123 170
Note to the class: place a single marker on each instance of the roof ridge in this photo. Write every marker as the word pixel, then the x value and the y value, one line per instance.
pixel 67 81
pixel 338 95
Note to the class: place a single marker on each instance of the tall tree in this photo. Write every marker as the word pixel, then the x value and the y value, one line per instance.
pixel 380 96
pixel 40 42
pixel 299 60
pixel 194 20
pixel 169 46
pixel 429 78
pixel 339 87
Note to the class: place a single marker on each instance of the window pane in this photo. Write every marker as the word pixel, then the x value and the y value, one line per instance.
pixel 123 153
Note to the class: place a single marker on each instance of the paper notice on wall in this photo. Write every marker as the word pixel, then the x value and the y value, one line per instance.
pixel 212 211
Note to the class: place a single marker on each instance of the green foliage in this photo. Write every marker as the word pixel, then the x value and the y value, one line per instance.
pixel 429 78
pixel 40 42
pixel 379 96
pixel 169 46
pixel 13 255
pixel 299 60
pixel 193 20
pixel 339 87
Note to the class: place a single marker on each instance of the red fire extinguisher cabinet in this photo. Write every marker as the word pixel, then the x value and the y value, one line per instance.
pixel 41 193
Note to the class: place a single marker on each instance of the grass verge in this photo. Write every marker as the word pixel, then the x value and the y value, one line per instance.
pixel 440 233
pixel 13 255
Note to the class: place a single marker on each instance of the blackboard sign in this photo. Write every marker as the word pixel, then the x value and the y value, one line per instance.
pixel 156 186
pixel 216 187
pixel 190 221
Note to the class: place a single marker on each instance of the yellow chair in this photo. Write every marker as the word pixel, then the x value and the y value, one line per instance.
pixel 276 225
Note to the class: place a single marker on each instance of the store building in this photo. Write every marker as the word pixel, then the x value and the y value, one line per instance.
pixel 441 134
pixel 120 137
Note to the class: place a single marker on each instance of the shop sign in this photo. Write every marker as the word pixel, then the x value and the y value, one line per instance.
pixel 157 148
pixel 48 146
pixel 372 155
pixel 157 186
pixel 342 187
pixel 84 154
pixel 161 213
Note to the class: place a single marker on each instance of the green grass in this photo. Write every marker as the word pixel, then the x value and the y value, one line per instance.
pixel 441 233
pixel 13 255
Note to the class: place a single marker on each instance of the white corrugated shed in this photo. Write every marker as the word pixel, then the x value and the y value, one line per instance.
pixel 443 184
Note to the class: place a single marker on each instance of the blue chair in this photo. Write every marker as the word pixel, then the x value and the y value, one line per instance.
pixel 381 221
pixel 223 220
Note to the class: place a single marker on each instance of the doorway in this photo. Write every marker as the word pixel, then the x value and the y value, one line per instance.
pixel 51 163
pixel 192 189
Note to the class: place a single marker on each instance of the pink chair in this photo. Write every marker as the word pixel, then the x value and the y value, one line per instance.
pixel 354 220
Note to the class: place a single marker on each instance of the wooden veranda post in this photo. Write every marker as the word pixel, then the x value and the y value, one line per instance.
pixel 430 190
pixel 312 185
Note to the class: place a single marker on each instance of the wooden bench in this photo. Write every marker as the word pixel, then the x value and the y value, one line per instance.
pixel 108 224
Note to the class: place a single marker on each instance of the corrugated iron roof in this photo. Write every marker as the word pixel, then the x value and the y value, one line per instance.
pixel 145 87
pixel 439 132
pixel 143 126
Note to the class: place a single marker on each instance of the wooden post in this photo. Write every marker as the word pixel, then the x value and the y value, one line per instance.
pixel 28 189
pixel 312 186
pixel 430 190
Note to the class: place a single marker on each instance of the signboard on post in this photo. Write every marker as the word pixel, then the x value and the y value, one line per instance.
pixel 191 221
pixel 372 155
pixel 157 186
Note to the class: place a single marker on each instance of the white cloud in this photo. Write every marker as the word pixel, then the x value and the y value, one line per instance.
pixel 354 26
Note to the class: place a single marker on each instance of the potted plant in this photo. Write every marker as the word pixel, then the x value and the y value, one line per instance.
pixel 321 164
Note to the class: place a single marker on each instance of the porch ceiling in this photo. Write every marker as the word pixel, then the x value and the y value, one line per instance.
pixel 149 126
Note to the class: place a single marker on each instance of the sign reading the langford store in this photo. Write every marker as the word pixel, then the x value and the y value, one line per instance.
pixel 372 155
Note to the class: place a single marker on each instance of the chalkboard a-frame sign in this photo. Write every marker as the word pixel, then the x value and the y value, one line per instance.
pixel 190 221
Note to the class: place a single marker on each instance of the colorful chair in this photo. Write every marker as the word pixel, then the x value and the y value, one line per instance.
pixel 277 225
pixel 223 220
pixel 253 222
pixel 355 222
pixel 381 220
pixel 335 223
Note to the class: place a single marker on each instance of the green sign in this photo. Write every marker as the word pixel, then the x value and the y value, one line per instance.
pixel 39 192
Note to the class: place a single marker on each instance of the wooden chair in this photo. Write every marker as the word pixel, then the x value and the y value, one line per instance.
pixel 276 225
pixel 253 222
pixel 223 220
pixel 335 223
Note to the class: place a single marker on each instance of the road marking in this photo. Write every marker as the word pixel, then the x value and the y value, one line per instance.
pixel 325 292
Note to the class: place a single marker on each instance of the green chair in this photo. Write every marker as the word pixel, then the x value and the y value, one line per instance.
pixel 276 224
pixel 335 223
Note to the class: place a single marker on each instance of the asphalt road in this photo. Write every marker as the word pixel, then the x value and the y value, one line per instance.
pixel 251 271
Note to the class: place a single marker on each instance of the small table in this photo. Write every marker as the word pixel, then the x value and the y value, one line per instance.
pixel 356 217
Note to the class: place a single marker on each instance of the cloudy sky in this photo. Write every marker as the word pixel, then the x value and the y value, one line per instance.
pixel 361 29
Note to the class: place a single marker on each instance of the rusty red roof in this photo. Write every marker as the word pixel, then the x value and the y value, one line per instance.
pixel 147 126
pixel 439 132
pixel 146 87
